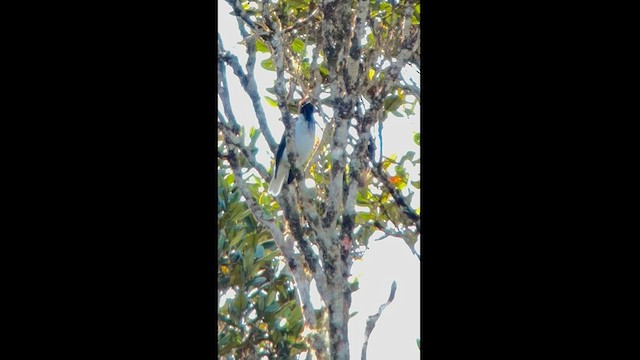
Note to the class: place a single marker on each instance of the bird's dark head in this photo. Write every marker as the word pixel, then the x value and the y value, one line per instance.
pixel 307 110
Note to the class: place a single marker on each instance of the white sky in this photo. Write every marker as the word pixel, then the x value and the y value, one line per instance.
pixel 396 331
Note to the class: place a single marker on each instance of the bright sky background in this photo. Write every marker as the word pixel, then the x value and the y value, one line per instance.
pixel 396 331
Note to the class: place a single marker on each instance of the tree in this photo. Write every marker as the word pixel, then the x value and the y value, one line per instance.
pixel 346 56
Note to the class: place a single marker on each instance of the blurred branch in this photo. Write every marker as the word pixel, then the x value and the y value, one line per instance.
pixel 286 246
pixel 301 22
pixel 371 321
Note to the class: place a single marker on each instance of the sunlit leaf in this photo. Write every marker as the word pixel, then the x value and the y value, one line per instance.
pixel 388 161
pixel 297 4
pixel 362 217
pixel 271 101
pixel 268 65
pixel 298 46
pixel 229 179
pixel 261 46
pixel 371 40
pixel 416 138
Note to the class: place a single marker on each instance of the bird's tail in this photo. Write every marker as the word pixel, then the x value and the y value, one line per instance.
pixel 277 181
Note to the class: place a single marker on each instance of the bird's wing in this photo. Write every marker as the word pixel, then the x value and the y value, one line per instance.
pixel 279 154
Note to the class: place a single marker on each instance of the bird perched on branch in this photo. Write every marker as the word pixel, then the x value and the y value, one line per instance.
pixel 304 135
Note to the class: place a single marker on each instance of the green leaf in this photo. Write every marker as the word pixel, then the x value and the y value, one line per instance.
pixel 362 198
pixel 371 40
pixel 416 184
pixel 392 103
pixel 271 101
pixel 236 238
pixel 271 298
pixel 221 241
pixel 355 285
pixel 306 67
pixel 241 214
pixel 418 340
pixel 298 4
pixel 259 251
pixel 273 307
pixel 247 262
pixel 323 70
pixel 261 46
pixel 225 340
pixel 257 281
pixel 268 65
pixel 299 345
pixel 388 161
pixel 229 179
pixel 241 302
pixel 362 217
pixel 416 138
pixel 298 46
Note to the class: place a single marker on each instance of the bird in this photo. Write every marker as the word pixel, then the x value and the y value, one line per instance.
pixel 304 135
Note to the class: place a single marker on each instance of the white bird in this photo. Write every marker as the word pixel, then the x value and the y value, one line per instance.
pixel 305 135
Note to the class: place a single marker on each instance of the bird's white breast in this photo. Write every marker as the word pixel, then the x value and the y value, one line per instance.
pixel 305 136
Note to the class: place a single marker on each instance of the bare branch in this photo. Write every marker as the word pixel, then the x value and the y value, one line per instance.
pixel 249 85
pixel 241 13
pixel 407 237
pixel 371 321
